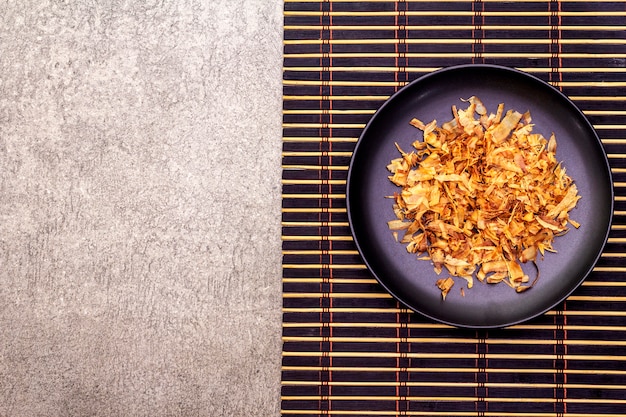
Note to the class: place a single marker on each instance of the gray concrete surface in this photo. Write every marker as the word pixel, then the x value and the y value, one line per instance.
pixel 140 207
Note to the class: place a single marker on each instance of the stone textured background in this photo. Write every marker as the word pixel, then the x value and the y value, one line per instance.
pixel 140 207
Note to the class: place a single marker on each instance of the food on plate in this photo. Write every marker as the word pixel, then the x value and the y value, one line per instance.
pixel 445 285
pixel 481 195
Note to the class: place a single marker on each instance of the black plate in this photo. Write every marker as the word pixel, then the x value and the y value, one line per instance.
pixel 412 281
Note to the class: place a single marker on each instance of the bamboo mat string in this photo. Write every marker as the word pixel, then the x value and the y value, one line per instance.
pixel 556 78
pixel 478 33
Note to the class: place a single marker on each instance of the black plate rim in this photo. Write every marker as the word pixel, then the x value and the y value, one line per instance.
pixel 350 180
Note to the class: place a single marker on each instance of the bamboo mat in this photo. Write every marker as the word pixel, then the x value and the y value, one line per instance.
pixel 349 348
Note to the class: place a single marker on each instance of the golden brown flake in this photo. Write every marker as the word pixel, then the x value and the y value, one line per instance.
pixel 445 285
pixel 481 194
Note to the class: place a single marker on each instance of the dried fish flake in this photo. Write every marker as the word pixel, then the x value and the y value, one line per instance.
pixel 481 195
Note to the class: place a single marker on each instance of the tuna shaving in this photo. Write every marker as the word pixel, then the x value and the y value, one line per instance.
pixel 480 195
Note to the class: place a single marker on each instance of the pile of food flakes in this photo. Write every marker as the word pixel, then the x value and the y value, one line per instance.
pixel 480 195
